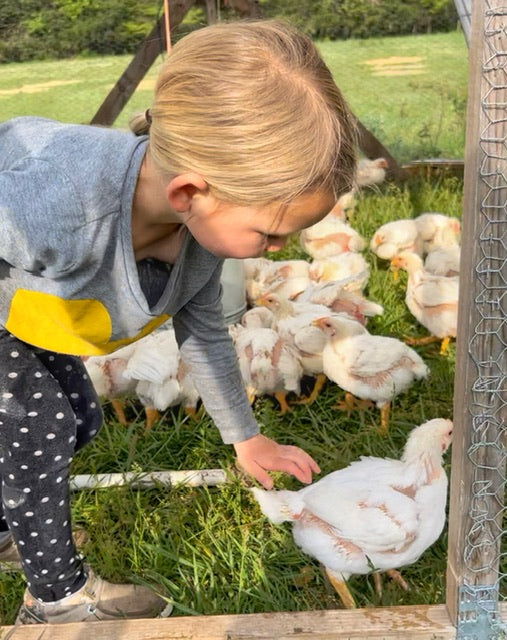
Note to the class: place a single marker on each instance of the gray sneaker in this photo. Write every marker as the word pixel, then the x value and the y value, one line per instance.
pixel 96 600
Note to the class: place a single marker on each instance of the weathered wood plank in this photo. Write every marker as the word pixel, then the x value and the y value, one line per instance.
pixel 386 623
pixel 477 468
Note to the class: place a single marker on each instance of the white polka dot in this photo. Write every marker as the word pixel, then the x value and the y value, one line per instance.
pixel 24 430
pixel 7 395
pixel 14 354
pixel 42 476
pixel 24 467
pixel 21 543
pixel 59 479
pixel 65 523
pixel 53 541
pixel 92 432
pixel 71 439
pixel 74 396
pixel 28 514
pixel 49 521
pixel 85 377
pixel 45 499
pixel 44 571
pixel 93 405
pixel 68 367
pixel 15 444
pixel 27 490
pixel 79 422
pixel 32 414
pixel 37 395
pixel 51 436
pixel 57 560
pixel 61 577
pixel 34 534
pixel 11 476
pixel 15 523
pixel 38 374
pixel 51 358
pixel 59 394
pixel 37 453
pixel 12 374
pixel 58 458
pixel 11 502
pixel 60 415
pixel 40 553
pixel 61 503
pixel 28 561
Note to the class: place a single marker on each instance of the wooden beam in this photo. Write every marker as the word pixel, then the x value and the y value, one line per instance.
pixel 478 462
pixel 422 622
pixel 152 46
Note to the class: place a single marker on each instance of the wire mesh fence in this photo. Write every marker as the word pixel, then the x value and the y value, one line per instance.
pixel 479 564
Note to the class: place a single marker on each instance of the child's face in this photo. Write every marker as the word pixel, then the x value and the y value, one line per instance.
pixel 231 231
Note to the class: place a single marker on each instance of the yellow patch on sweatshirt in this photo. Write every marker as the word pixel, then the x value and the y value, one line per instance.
pixel 77 327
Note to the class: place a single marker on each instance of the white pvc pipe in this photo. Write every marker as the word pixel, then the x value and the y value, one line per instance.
pixel 192 478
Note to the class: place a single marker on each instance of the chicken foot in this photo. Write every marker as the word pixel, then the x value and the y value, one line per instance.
pixel 342 590
pixel 351 403
pixel 444 347
pixel 394 575
pixel 320 381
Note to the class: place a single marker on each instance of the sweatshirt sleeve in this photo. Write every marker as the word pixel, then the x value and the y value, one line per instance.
pixel 208 350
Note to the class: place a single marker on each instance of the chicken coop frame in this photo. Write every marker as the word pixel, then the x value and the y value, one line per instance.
pixel 476 566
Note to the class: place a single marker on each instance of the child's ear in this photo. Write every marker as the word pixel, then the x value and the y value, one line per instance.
pixel 183 188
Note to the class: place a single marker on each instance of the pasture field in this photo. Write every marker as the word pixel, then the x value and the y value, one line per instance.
pixel 211 548
pixel 409 90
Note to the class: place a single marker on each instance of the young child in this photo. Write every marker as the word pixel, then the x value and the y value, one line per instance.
pixel 106 234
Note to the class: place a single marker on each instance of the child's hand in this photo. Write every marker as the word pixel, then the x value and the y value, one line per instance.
pixel 260 454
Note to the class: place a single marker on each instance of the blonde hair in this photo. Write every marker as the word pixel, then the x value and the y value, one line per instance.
pixel 253 108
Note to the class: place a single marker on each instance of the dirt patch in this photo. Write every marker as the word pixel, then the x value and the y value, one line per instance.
pixel 396 66
pixel 36 88
pixel 377 62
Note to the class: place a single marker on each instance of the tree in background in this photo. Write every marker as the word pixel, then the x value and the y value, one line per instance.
pixel 41 29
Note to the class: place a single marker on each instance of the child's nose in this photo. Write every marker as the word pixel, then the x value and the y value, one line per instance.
pixel 275 244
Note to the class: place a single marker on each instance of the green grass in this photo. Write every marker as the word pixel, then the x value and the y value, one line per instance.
pixel 212 549
pixel 419 113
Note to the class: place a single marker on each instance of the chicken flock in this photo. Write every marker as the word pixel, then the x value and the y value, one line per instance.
pixel 308 318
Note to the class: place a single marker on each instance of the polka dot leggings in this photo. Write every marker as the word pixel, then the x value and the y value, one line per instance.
pixel 48 410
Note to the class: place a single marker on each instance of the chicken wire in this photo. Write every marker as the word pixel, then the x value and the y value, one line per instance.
pixel 484 544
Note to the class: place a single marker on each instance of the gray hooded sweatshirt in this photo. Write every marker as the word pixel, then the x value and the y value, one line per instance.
pixel 68 278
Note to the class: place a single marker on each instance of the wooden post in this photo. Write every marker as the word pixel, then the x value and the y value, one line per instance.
pixel 478 461
pixel 152 46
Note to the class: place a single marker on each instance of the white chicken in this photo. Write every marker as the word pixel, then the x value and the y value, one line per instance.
pixel 160 375
pixel 373 368
pixel 437 230
pixel 376 514
pixel 330 237
pixel 293 321
pixel 370 172
pixel 444 261
pixel 432 300
pixel 396 236
pixel 257 317
pixel 287 278
pixel 351 267
pixel 106 375
pixel 336 297
pixel 268 364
